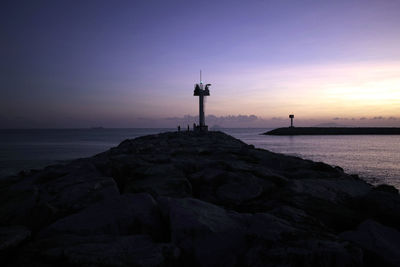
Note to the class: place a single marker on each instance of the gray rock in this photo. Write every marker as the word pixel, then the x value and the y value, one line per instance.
pixel 207 175
pixel 267 227
pixel 305 252
pixel 269 175
pixel 38 200
pixel 124 251
pixel 73 193
pixel 208 235
pixel 332 190
pixel 11 237
pixel 297 217
pixel 126 214
pixel 104 250
pixel 240 189
pixel 16 203
pixel 377 238
pixel 381 206
pixel 160 180
pixel 386 188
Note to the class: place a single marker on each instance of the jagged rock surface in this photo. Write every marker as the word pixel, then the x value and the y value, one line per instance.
pixel 189 199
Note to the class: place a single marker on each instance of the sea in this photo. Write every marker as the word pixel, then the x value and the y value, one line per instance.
pixel 375 158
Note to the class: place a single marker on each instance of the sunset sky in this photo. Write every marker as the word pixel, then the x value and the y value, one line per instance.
pixel 119 63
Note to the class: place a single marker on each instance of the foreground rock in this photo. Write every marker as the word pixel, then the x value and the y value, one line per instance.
pixel 186 199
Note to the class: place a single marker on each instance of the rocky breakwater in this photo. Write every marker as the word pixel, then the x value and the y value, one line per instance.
pixel 186 199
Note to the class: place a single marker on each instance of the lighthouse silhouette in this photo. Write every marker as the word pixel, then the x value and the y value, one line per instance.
pixel 201 92
pixel 291 116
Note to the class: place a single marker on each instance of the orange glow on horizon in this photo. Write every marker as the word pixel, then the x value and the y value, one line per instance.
pixel 370 89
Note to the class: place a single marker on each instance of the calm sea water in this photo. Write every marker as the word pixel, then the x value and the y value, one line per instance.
pixel 375 158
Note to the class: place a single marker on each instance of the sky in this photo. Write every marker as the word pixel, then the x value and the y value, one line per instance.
pixel 135 63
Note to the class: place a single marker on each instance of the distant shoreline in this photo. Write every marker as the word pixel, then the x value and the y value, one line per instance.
pixel 335 131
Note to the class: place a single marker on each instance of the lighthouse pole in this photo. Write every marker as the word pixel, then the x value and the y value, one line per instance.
pixel 201 110
pixel 201 92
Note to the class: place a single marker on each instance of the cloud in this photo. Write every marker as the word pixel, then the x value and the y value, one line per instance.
pixel 228 121
pixel 378 118
pixel 377 121
pixel 221 121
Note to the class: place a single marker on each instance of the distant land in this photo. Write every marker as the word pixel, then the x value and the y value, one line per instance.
pixel 334 131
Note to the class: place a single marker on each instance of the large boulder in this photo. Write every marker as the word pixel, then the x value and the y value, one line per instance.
pixel 11 238
pixel 75 186
pixel 101 250
pixel 41 198
pixel 242 187
pixel 273 241
pixel 381 243
pixel 207 234
pixel 160 180
pixel 127 214
pixel 382 206
pixel 124 251
pixel 332 190
pixel 305 252
pixel 17 200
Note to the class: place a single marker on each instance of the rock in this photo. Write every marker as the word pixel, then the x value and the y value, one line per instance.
pixel 160 180
pixel 269 175
pixel 386 188
pixel 320 166
pixel 305 253
pixel 381 206
pixel 162 186
pixel 124 251
pixel 16 203
pixel 332 190
pixel 73 193
pixel 206 234
pixel 383 242
pixel 338 168
pixel 334 217
pixel 104 250
pixel 13 236
pixel 242 189
pixel 207 176
pixel 39 200
pixel 297 217
pixel 233 190
pixel 127 214
pixel 267 227
pixel 278 242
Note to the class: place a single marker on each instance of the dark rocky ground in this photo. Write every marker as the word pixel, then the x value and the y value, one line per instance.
pixel 184 199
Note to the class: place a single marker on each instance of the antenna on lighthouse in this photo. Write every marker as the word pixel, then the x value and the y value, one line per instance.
pixel 200 78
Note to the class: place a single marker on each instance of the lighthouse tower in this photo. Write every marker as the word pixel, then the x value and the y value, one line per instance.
pixel 201 91
pixel 291 116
